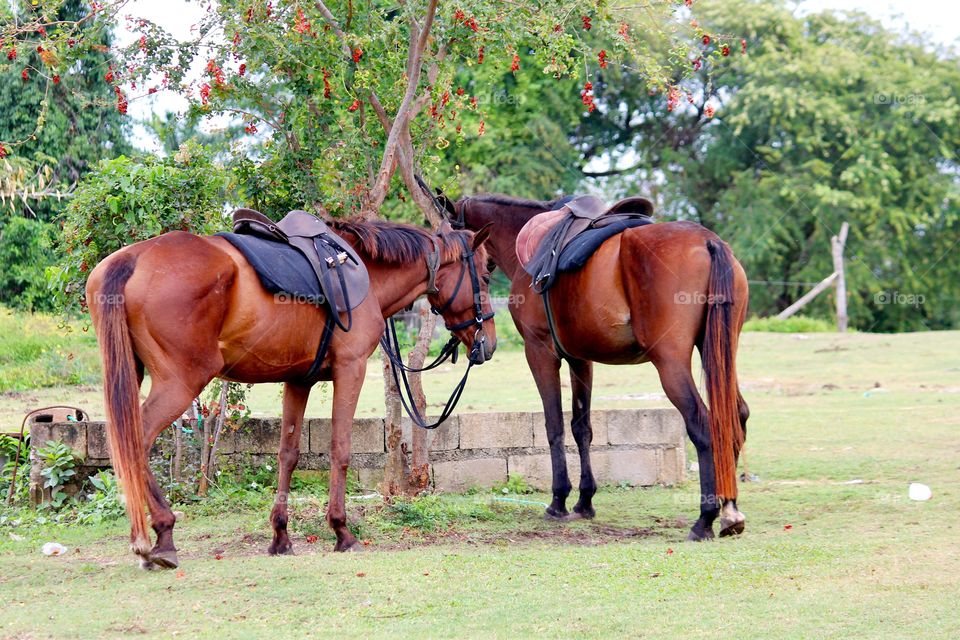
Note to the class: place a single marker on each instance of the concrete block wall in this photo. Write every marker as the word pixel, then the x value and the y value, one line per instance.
pixel 636 446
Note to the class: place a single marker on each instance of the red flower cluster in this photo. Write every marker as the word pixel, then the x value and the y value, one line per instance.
pixel 250 129
pixel 586 23
pixel 214 69
pixel 706 39
pixel 108 76
pixel 25 74
pixel 205 93
pixel 709 111
pixel 460 91
pixel 602 56
pixel 326 83
pixel 3 151
pixel 697 64
pixel 356 55
pixel 673 98
pixel 470 23
pixel 725 51
pixel 586 96
pixel 354 106
pixel 143 44
pixel 480 56
pixel 42 31
pixel 515 65
pixel 743 45
pixel 12 54
pixel 482 128
pixel 622 31
pixel 56 79
pixel 243 69
pixel 121 101
pixel 301 25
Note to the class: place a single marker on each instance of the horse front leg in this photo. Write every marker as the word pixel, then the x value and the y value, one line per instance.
pixel 545 367
pixel 347 380
pixel 581 382
pixel 294 405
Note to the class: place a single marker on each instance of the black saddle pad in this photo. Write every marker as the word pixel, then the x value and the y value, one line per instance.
pixel 280 267
pixel 579 250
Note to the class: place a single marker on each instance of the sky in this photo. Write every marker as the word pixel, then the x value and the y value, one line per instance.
pixel 937 18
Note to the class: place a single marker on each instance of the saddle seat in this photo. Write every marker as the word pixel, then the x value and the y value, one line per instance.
pixel 302 257
pixel 563 240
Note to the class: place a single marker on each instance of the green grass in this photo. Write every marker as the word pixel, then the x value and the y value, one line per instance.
pixel 841 425
pixel 793 324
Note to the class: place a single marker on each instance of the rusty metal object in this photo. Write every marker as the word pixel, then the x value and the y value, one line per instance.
pixel 53 413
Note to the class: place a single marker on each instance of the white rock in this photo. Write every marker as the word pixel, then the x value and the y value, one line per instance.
pixel 919 492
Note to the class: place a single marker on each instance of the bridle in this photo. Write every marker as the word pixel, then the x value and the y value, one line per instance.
pixel 391 344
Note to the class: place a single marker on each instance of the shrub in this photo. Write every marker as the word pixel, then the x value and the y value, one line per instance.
pixel 131 199
pixel 793 324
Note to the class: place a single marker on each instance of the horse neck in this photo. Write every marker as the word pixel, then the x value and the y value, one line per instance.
pixel 395 285
pixel 507 221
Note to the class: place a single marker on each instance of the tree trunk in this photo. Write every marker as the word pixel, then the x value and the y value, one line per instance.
pixel 396 468
pixel 419 477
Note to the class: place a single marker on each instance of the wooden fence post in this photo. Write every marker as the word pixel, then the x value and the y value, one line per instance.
pixel 837 244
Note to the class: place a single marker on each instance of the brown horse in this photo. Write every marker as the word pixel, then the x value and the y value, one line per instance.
pixel 649 294
pixel 188 308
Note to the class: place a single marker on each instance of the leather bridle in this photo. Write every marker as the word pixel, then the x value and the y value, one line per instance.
pixel 391 345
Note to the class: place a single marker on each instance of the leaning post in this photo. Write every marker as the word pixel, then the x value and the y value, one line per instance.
pixel 837 244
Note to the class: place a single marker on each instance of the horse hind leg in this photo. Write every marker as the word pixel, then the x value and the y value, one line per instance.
pixel 294 405
pixel 581 383
pixel 678 384
pixel 167 401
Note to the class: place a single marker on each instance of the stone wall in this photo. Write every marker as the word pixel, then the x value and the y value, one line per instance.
pixel 635 446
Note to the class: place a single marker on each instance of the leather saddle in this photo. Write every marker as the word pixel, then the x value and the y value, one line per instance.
pixel 553 242
pixel 339 273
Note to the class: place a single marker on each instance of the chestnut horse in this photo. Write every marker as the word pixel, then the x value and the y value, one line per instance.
pixel 190 308
pixel 649 294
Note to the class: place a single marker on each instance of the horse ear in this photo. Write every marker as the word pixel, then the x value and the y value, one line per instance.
pixel 481 236
pixel 447 204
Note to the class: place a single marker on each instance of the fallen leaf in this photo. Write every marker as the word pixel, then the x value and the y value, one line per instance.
pixel 181 574
pixel 669 552
pixel 787 527
pixel 312 539
pixel 655 574
pixel 361 574
pixel 218 556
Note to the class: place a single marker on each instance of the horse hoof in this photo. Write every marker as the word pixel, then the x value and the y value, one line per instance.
pixel 700 536
pixel 588 514
pixel 280 549
pixel 731 528
pixel 164 559
pixel 553 515
pixel 146 565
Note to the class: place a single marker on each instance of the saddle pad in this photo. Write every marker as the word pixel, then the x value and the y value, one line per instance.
pixel 281 268
pixel 576 254
pixel 533 232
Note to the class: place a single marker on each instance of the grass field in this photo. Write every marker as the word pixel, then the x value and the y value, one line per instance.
pixel 833 548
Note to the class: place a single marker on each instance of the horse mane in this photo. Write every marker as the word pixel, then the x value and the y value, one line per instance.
pixel 397 242
pixel 511 201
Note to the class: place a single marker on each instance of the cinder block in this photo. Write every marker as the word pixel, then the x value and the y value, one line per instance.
pixel 98 447
pixel 366 436
pixel 496 430
pixel 446 437
pixel 598 422
pixel 370 478
pixel 537 469
pixel 672 465
pixel 633 466
pixel 72 434
pixel 459 475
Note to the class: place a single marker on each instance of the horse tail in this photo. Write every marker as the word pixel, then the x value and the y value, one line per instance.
pixel 726 432
pixel 121 396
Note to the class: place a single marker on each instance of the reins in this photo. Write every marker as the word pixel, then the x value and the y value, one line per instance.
pixel 390 343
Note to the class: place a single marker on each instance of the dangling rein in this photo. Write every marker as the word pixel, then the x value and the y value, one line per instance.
pixel 391 344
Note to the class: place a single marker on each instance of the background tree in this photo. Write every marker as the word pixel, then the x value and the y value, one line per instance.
pixel 54 127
